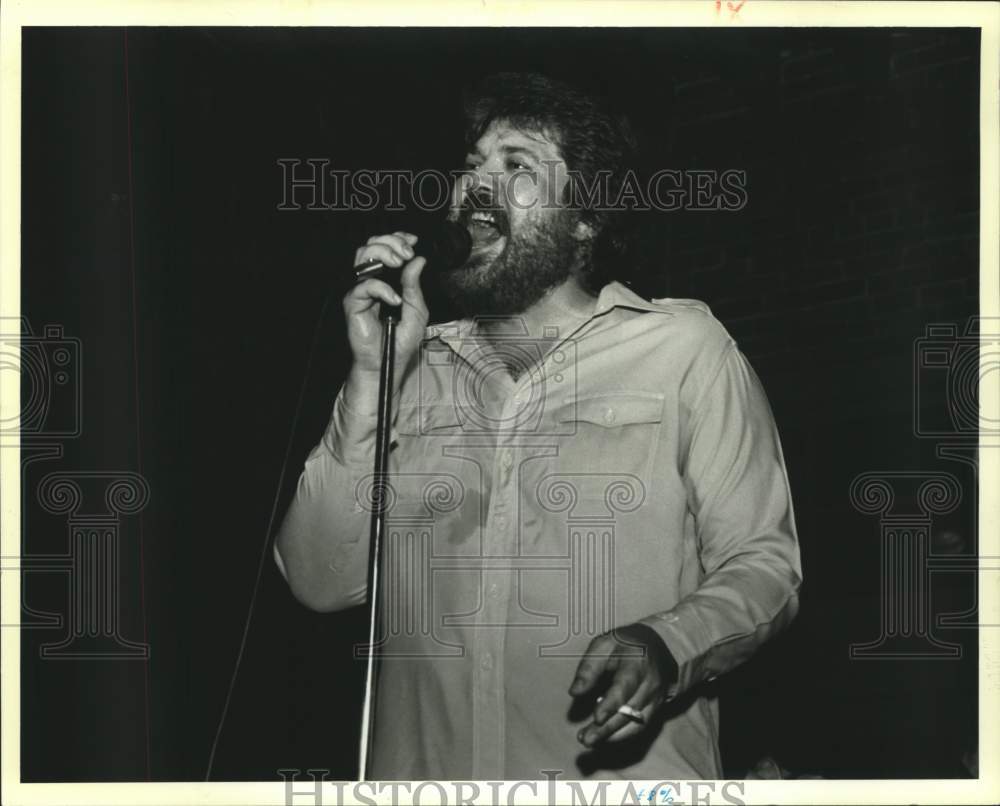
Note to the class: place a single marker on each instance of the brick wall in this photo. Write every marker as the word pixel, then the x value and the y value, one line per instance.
pixel 860 229
pixel 861 223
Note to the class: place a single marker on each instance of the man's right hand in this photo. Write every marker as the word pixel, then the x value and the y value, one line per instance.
pixel 361 311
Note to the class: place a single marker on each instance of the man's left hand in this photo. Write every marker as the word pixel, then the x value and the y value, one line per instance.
pixel 641 670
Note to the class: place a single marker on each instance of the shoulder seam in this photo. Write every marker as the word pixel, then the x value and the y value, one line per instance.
pixel 724 356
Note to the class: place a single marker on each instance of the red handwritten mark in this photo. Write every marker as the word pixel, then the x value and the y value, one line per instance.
pixel 734 8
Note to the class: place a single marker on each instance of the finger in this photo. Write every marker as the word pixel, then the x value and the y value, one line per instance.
pixel 625 684
pixel 409 237
pixel 593 664
pixel 382 252
pixel 619 725
pixel 645 702
pixel 410 280
pixel 645 697
pixel 365 294
pixel 395 242
pixel 595 734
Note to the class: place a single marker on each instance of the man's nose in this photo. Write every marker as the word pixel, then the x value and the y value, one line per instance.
pixel 479 184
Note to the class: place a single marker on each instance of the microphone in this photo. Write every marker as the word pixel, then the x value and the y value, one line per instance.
pixel 444 244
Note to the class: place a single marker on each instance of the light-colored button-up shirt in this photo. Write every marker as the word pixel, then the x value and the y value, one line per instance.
pixel 631 473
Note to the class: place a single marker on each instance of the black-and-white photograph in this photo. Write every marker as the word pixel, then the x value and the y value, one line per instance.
pixel 390 401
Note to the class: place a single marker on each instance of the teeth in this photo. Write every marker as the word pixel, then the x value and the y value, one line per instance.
pixel 484 217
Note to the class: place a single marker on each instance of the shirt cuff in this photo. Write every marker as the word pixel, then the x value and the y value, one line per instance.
pixel 687 641
pixel 350 435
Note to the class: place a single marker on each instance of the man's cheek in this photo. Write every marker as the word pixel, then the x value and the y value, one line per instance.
pixel 522 192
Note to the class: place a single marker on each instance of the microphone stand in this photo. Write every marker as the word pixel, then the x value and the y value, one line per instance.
pixel 449 244
pixel 389 316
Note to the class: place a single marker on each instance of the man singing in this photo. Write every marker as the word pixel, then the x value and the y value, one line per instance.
pixel 589 513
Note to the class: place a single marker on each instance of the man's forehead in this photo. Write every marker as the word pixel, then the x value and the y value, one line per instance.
pixel 503 135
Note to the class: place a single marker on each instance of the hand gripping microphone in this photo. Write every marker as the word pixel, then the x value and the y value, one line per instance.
pixel 445 245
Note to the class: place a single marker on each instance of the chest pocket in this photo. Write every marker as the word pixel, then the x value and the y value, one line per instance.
pixel 611 433
pixel 426 419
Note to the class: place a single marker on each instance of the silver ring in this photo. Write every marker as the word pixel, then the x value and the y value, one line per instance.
pixel 632 713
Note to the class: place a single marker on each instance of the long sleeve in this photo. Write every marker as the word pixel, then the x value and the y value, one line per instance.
pixel 322 545
pixel 738 492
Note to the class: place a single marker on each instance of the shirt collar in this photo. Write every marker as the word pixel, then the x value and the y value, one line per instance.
pixel 616 295
pixel 613 295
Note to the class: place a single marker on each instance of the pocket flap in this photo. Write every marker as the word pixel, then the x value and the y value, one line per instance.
pixel 420 418
pixel 612 409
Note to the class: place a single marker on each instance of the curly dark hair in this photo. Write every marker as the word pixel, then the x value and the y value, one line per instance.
pixel 594 141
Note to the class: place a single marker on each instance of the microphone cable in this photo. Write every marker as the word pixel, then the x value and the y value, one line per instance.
pixel 267 536
pixel 451 244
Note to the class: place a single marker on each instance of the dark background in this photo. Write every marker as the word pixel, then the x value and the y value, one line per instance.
pixel 150 232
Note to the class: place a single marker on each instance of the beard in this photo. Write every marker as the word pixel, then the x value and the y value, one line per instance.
pixel 533 261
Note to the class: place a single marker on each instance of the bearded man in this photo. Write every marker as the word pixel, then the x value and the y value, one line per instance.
pixel 589 514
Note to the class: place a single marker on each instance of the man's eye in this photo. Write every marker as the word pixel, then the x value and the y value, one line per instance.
pixel 517 165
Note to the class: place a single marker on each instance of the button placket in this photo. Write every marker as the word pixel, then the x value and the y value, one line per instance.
pixel 488 703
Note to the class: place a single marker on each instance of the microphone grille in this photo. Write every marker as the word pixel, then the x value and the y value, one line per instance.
pixel 450 246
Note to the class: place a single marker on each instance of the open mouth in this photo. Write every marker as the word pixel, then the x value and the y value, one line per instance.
pixel 485 227
pixel 486 221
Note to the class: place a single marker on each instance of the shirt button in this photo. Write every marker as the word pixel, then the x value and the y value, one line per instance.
pixel 609 416
pixel 487 661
